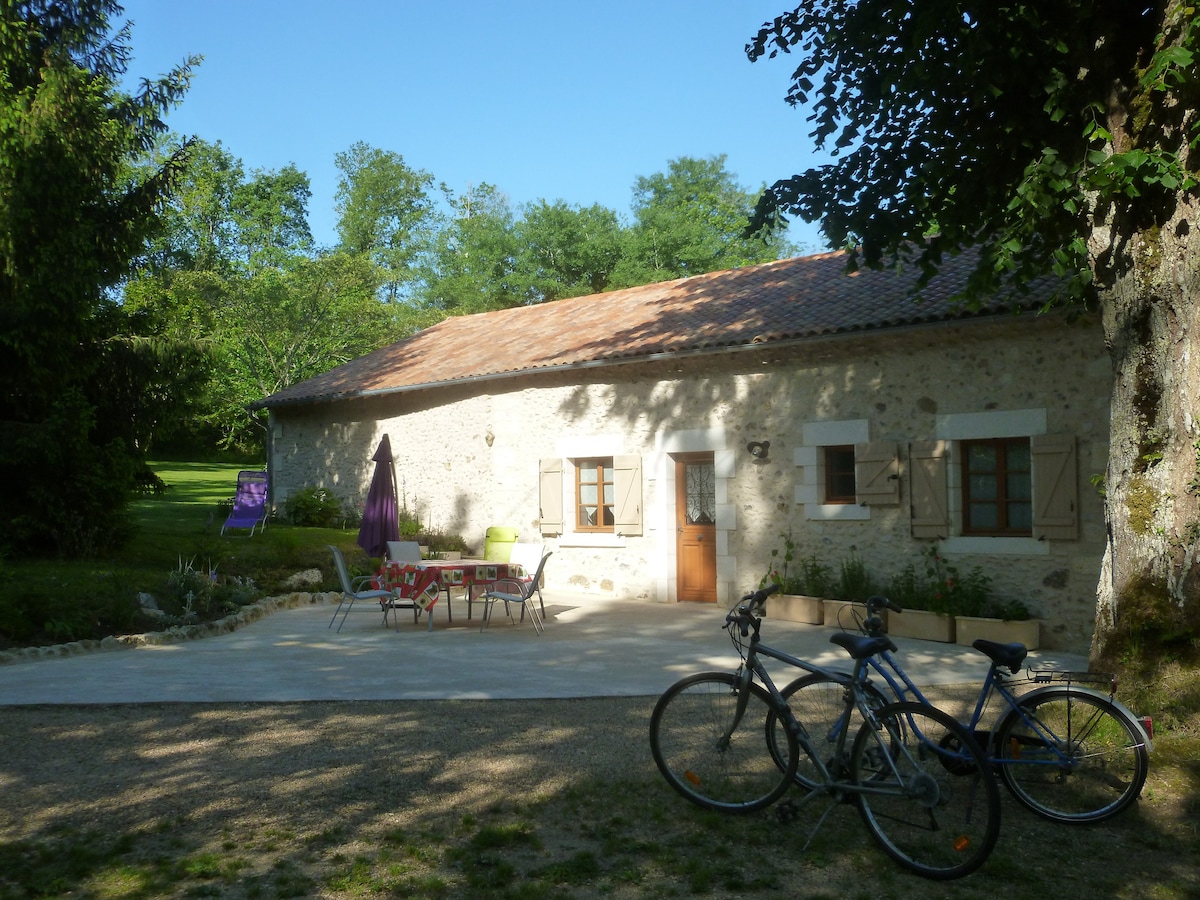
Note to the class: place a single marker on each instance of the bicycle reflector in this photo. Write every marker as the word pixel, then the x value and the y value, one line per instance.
pixel 1148 724
pixel 692 777
pixel 961 843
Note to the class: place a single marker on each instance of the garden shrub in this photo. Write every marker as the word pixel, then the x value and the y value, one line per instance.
pixel 314 507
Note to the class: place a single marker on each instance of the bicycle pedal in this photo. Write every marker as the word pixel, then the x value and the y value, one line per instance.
pixel 787 811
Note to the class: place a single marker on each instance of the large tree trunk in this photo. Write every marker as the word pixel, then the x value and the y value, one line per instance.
pixel 1151 306
pixel 1144 254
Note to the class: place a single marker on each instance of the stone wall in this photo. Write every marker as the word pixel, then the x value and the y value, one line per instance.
pixel 467 456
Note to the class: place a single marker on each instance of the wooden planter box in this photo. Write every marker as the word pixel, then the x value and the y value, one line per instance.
pixel 795 608
pixel 1025 631
pixel 922 625
pixel 847 614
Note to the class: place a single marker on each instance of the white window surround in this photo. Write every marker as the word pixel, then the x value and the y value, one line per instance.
pixel 573 447
pixel 660 468
pixel 810 486
pixel 981 426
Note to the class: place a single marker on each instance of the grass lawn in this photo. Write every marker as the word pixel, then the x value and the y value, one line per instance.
pixel 181 527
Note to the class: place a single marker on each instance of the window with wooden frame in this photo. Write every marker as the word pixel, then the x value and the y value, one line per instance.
pixel 840 483
pixel 997 487
pixel 595 494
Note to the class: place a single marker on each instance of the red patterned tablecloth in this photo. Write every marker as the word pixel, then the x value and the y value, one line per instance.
pixel 412 579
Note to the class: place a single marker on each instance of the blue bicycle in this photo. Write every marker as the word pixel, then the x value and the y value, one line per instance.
pixel 918 778
pixel 1069 752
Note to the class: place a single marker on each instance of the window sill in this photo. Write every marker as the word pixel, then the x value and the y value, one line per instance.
pixel 998 546
pixel 598 540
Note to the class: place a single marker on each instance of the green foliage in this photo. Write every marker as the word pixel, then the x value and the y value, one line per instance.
pixel 948 593
pixel 806 575
pixel 855 582
pixel 987 126
pixel 201 593
pixel 60 609
pixel 906 588
pixel 385 213
pixel 692 219
pixel 439 540
pixel 689 220
pixel 65 495
pixel 1008 610
pixel 314 507
pixel 409 523
pixel 74 213
pixel 940 589
pixel 566 251
pixel 470 265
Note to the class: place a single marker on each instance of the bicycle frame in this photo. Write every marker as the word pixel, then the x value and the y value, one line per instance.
pixel 753 667
pixel 917 778
pixel 903 688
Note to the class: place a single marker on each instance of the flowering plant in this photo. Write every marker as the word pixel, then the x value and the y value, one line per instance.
pixel 948 592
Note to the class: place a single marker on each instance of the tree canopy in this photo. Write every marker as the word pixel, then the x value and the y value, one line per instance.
pixel 74 213
pixel 1058 137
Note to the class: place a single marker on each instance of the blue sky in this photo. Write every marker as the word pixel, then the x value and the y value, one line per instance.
pixel 557 100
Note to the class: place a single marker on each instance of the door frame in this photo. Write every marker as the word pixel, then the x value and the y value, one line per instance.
pixel 667 444
pixel 704 592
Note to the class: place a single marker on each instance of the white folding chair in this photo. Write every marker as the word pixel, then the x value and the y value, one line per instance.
pixel 514 591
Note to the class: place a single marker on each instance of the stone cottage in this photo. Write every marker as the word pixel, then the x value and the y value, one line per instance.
pixel 662 439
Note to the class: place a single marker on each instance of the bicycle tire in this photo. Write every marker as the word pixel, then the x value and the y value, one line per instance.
pixel 819 703
pixel 709 759
pixel 930 799
pixel 1107 752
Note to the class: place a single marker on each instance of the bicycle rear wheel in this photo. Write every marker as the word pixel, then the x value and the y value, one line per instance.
pixel 1091 766
pixel 928 796
pixel 708 740
pixel 819 703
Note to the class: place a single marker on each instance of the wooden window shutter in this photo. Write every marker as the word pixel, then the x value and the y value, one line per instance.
pixel 627 482
pixel 876 474
pixel 930 495
pixel 551 496
pixel 1055 487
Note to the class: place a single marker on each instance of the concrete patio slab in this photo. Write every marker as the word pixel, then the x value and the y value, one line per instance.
pixel 593 647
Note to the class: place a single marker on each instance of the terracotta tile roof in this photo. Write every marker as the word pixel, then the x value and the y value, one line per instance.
pixel 782 301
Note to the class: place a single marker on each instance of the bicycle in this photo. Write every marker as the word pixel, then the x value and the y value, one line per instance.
pixel 1066 751
pixel 918 778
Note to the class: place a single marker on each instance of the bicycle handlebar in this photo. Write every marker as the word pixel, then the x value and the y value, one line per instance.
pixel 749 608
pixel 878 602
pixel 746 614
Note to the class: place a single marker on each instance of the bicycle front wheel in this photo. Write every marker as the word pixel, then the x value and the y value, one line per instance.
pixel 1071 756
pixel 925 790
pixel 708 737
pixel 823 706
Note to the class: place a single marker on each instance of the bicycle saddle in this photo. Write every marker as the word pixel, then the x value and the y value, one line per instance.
pixel 860 646
pixel 1010 655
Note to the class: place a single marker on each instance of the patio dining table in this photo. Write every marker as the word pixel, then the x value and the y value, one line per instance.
pixel 412 579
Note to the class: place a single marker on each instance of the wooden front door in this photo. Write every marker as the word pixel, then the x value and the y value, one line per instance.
pixel 696 528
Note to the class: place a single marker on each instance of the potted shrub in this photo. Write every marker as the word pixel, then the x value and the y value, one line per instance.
pixel 929 602
pixel 1006 621
pixel 439 544
pixel 854 585
pixel 803 583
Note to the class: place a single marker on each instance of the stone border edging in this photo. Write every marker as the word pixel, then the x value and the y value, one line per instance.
pixel 176 633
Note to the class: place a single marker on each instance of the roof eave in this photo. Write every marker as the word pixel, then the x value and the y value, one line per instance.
pixel 753 347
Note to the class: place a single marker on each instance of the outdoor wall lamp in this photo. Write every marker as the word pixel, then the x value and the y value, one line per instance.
pixel 758 449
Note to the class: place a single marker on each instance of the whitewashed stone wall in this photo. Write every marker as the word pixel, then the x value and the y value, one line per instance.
pixel 468 458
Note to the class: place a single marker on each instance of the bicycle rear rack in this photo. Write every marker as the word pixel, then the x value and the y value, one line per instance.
pixel 1048 676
